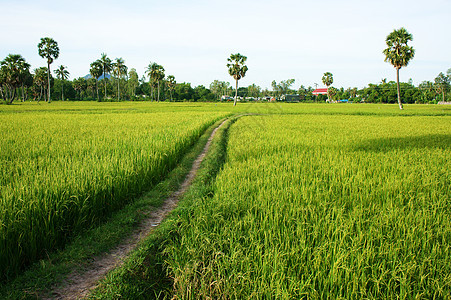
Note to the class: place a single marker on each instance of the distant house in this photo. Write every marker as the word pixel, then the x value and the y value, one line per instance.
pixel 322 91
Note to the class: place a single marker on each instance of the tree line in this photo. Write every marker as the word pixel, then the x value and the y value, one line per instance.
pixel 112 80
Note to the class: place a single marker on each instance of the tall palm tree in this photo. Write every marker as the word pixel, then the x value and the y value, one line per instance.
pixel 170 81
pixel 119 70
pixel 399 53
pixel 96 71
pixel 62 74
pixel 107 67
pixel 328 79
pixel 48 49
pixel 237 69
pixel 156 74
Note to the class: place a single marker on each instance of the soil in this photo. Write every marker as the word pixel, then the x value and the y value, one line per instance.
pixel 78 284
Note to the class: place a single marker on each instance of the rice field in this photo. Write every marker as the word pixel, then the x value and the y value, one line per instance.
pixel 65 167
pixel 313 201
pixel 326 204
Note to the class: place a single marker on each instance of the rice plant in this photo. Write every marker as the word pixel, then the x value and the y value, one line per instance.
pixel 65 167
pixel 323 205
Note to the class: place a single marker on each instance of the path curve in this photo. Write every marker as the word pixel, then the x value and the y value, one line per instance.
pixel 79 283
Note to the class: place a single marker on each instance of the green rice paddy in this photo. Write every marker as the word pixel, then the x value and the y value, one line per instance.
pixel 313 201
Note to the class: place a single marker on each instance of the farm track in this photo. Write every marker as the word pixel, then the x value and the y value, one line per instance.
pixel 79 283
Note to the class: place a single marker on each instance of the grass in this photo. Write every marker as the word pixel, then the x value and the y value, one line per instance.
pixel 314 201
pixel 144 274
pixel 38 280
pixel 322 206
pixel 62 171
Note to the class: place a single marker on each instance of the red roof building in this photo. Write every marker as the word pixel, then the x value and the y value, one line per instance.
pixel 320 92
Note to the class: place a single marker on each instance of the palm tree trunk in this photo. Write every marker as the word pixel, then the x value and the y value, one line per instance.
pixel 62 90
pixel 12 95
pixel 48 80
pixel 97 90
pixel 158 90
pixel 397 86
pixel 118 93
pixel 236 92
pixel 23 93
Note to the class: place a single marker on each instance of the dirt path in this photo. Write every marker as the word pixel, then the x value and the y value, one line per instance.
pixel 80 283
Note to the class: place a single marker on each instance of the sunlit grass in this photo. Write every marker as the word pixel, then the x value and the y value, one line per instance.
pixel 323 206
pixel 64 170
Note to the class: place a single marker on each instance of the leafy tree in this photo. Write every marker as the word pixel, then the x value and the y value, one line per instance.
pixel 283 87
pixel 48 49
pixel 62 74
pixel 119 70
pixel 275 88
pixel 254 90
pixel 237 69
pixel 442 82
pixel 80 85
pixel 107 67
pixel 13 72
pixel 203 94
pixel 96 71
pixel 91 85
pixel 170 81
pixel 332 92
pixel 398 53
pixel 132 82
pixel 427 91
pixel 183 91
pixel 328 79
pixel 219 88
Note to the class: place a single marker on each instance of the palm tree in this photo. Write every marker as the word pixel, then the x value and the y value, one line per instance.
pixel 328 79
pixel 398 53
pixel 14 70
pixel 156 74
pixel 96 71
pixel 39 79
pixel 237 69
pixel 107 67
pixel 48 49
pixel 119 70
pixel 25 77
pixel 62 74
pixel 170 81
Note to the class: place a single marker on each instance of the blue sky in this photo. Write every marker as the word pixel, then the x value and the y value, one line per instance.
pixel 192 39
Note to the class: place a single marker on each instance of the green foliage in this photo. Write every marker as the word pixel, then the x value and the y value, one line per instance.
pixel 398 53
pixel 387 93
pixel 14 72
pixel 327 79
pixel 442 83
pixel 283 87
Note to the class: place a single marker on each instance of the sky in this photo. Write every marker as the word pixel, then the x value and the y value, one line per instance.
pixel 192 40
